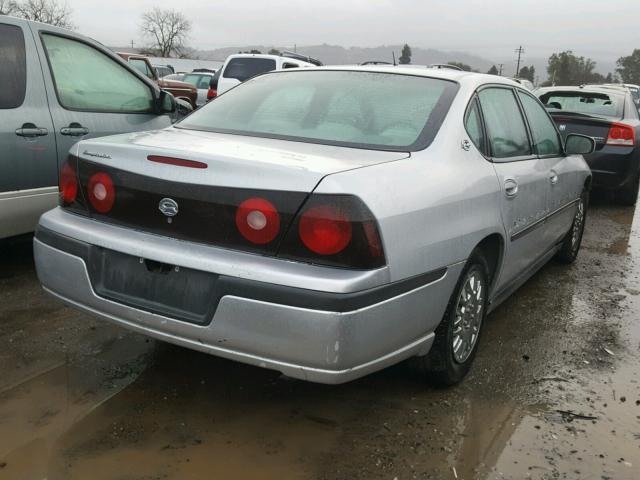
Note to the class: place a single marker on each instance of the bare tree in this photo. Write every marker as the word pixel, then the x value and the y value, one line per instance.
pixel 6 7
pixel 45 11
pixel 168 31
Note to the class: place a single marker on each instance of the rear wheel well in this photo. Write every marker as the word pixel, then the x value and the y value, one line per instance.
pixel 492 248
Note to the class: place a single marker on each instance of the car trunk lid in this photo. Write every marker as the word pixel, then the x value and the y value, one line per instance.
pixel 592 126
pixel 203 177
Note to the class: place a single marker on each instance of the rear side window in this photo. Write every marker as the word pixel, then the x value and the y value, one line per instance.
pixel 505 125
pixel 13 67
pixel 589 103
pixel 546 140
pixel 198 81
pixel 87 79
pixel 244 68
pixel 473 125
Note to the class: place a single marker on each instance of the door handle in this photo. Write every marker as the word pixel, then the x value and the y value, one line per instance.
pixel 74 130
pixel 553 177
pixel 29 130
pixel 510 187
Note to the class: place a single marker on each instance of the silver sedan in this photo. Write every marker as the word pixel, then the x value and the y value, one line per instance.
pixel 326 223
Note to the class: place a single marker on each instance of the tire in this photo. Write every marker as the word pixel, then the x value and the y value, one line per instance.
pixel 444 365
pixel 628 194
pixel 571 244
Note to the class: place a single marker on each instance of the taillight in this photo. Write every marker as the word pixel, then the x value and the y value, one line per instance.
pixel 336 230
pixel 621 135
pixel 325 230
pixel 68 184
pixel 212 93
pixel 101 192
pixel 258 221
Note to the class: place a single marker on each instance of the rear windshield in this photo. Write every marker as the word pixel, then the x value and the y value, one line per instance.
pixel 244 68
pixel 363 109
pixel 589 103
pixel 198 81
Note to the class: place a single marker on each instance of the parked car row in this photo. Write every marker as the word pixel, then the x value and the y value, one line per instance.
pixel 325 222
pixel 179 89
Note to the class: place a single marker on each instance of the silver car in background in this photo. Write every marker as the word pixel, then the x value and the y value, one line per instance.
pixel 326 223
pixel 58 87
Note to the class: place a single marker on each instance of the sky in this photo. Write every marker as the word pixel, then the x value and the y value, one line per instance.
pixel 490 28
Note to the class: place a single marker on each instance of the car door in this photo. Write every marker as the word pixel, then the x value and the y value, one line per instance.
pixel 564 179
pixel 28 166
pixel 523 179
pixel 91 93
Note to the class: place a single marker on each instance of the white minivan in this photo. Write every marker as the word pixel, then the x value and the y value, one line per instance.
pixel 243 66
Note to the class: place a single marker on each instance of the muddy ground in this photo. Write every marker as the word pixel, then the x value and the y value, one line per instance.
pixel 81 399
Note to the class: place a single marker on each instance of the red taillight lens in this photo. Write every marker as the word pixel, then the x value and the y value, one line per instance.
pixel 211 94
pixel 335 230
pixel 258 220
pixel 102 193
pixel 325 230
pixel 621 135
pixel 68 184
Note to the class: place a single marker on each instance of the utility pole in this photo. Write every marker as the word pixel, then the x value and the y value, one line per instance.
pixel 132 44
pixel 500 69
pixel 519 51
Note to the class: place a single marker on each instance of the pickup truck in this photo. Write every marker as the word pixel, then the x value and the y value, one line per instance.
pixel 56 88
pixel 181 90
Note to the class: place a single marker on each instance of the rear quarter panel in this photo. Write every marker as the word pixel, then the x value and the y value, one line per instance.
pixel 434 207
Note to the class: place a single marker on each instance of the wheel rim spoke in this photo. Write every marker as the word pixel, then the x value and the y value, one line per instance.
pixel 468 318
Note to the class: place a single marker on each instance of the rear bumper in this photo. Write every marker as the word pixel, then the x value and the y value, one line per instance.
pixel 312 335
pixel 614 167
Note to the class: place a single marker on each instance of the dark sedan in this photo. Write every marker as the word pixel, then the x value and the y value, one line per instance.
pixel 610 116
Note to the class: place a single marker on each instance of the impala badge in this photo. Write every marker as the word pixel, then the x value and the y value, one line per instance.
pixel 169 208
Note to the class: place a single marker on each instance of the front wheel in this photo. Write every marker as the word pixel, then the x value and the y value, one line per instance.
pixel 457 336
pixel 571 244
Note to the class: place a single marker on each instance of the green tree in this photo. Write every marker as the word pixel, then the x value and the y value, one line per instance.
pixel 528 73
pixel 629 67
pixel 405 57
pixel 275 51
pixel 565 68
pixel 463 66
pixel 493 70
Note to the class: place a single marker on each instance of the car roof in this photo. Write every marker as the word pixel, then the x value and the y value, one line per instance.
pixel 586 89
pixel 459 76
pixel 267 56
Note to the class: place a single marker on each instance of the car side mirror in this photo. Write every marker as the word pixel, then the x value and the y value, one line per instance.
pixel 183 108
pixel 579 144
pixel 167 102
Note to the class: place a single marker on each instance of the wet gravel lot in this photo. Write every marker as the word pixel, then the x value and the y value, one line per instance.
pixel 554 392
